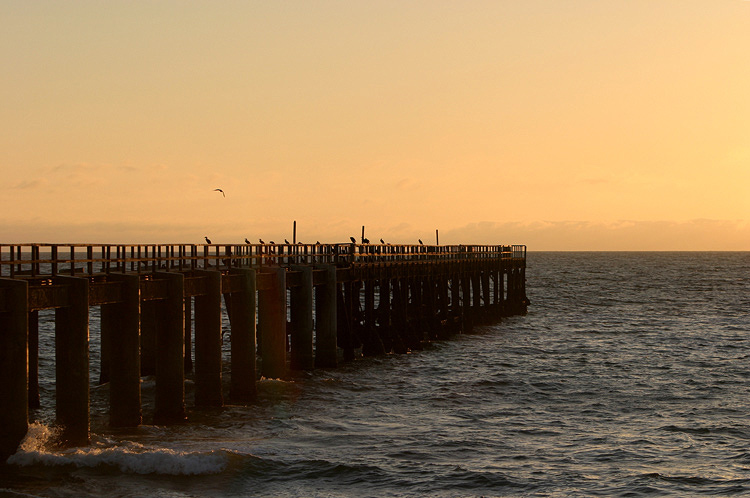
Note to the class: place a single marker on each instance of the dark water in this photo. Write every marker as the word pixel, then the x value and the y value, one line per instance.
pixel 630 376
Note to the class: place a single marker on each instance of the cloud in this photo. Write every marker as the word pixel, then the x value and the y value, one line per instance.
pixel 30 184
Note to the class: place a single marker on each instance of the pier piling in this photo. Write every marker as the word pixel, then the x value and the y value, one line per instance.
pixel 169 402
pixel 208 339
pixel 272 325
pixel 242 376
pixel 325 319
pixel 14 317
pixel 121 323
pixel 72 363
pixel 301 304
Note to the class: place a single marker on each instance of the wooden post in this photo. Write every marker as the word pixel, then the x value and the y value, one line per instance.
pixel 415 332
pixel 325 320
pixel 121 323
pixel 399 316
pixel 189 333
pixel 384 314
pixel 486 295
pixel 208 390
pixel 105 349
pixel 468 316
pixel 34 401
pixel 14 414
pixel 346 314
pixel 372 344
pixel 456 310
pixel 301 303
pixel 170 363
pixel 72 363
pixel 272 325
pixel 242 382
pixel 148 337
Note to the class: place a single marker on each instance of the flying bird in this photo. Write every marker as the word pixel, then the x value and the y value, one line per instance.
pixel 208 241
pixel 247 241
pixel 219 190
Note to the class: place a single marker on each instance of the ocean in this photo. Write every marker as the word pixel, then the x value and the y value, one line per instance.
pixel 629 376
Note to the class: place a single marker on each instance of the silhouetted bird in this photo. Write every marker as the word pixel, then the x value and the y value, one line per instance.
pixel 382 241
pixel 286 241
pixel 219 190
pixel 261 241
pixel 271 242
pixel 354 241
pixel 420 242
pixel 247 241
pixel 208 241
pixel 365 241
pixel 317 242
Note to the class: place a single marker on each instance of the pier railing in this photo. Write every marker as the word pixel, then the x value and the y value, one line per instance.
pixel 48 260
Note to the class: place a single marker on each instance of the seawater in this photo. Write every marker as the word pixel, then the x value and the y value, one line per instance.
pixel 630 376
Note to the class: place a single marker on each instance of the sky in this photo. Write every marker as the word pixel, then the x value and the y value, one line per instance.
pixel 562 125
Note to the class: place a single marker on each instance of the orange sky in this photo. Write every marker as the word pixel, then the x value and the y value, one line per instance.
pixel 575 125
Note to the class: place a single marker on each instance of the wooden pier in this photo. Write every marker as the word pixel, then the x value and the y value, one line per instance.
pixel 290 307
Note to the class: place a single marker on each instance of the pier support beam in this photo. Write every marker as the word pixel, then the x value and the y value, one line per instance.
pixel 301 303
pixel 456 311
pixel 384 314
pixel 170 363
pixel 372 344
pixel 148 337
pixel 34 401
pixel 272 325
pixel 325 320
pixel 14 414
pixel 466 310
pixel 121 324
pixel 399 316
pixel 208 387
pixel 72 363
pixel 242 386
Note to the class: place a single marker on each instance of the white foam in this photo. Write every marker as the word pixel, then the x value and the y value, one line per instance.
pixel 127 456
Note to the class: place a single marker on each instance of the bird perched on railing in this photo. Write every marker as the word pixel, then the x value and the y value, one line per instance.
pixel 261 241
pixel 420 242
pixel 365 241
pixel 247 241
pixel 354 241
pixel 208 241
pixel 286 241
pixel 382 241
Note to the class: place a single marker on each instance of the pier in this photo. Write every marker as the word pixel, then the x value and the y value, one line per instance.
pixel 289 307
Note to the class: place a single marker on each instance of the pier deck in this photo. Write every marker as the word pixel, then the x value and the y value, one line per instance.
pixel 290 306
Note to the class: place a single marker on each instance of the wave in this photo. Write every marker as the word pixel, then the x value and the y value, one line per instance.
pixel 37 448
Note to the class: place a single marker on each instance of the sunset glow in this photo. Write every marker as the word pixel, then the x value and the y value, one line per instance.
pixel 577 125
